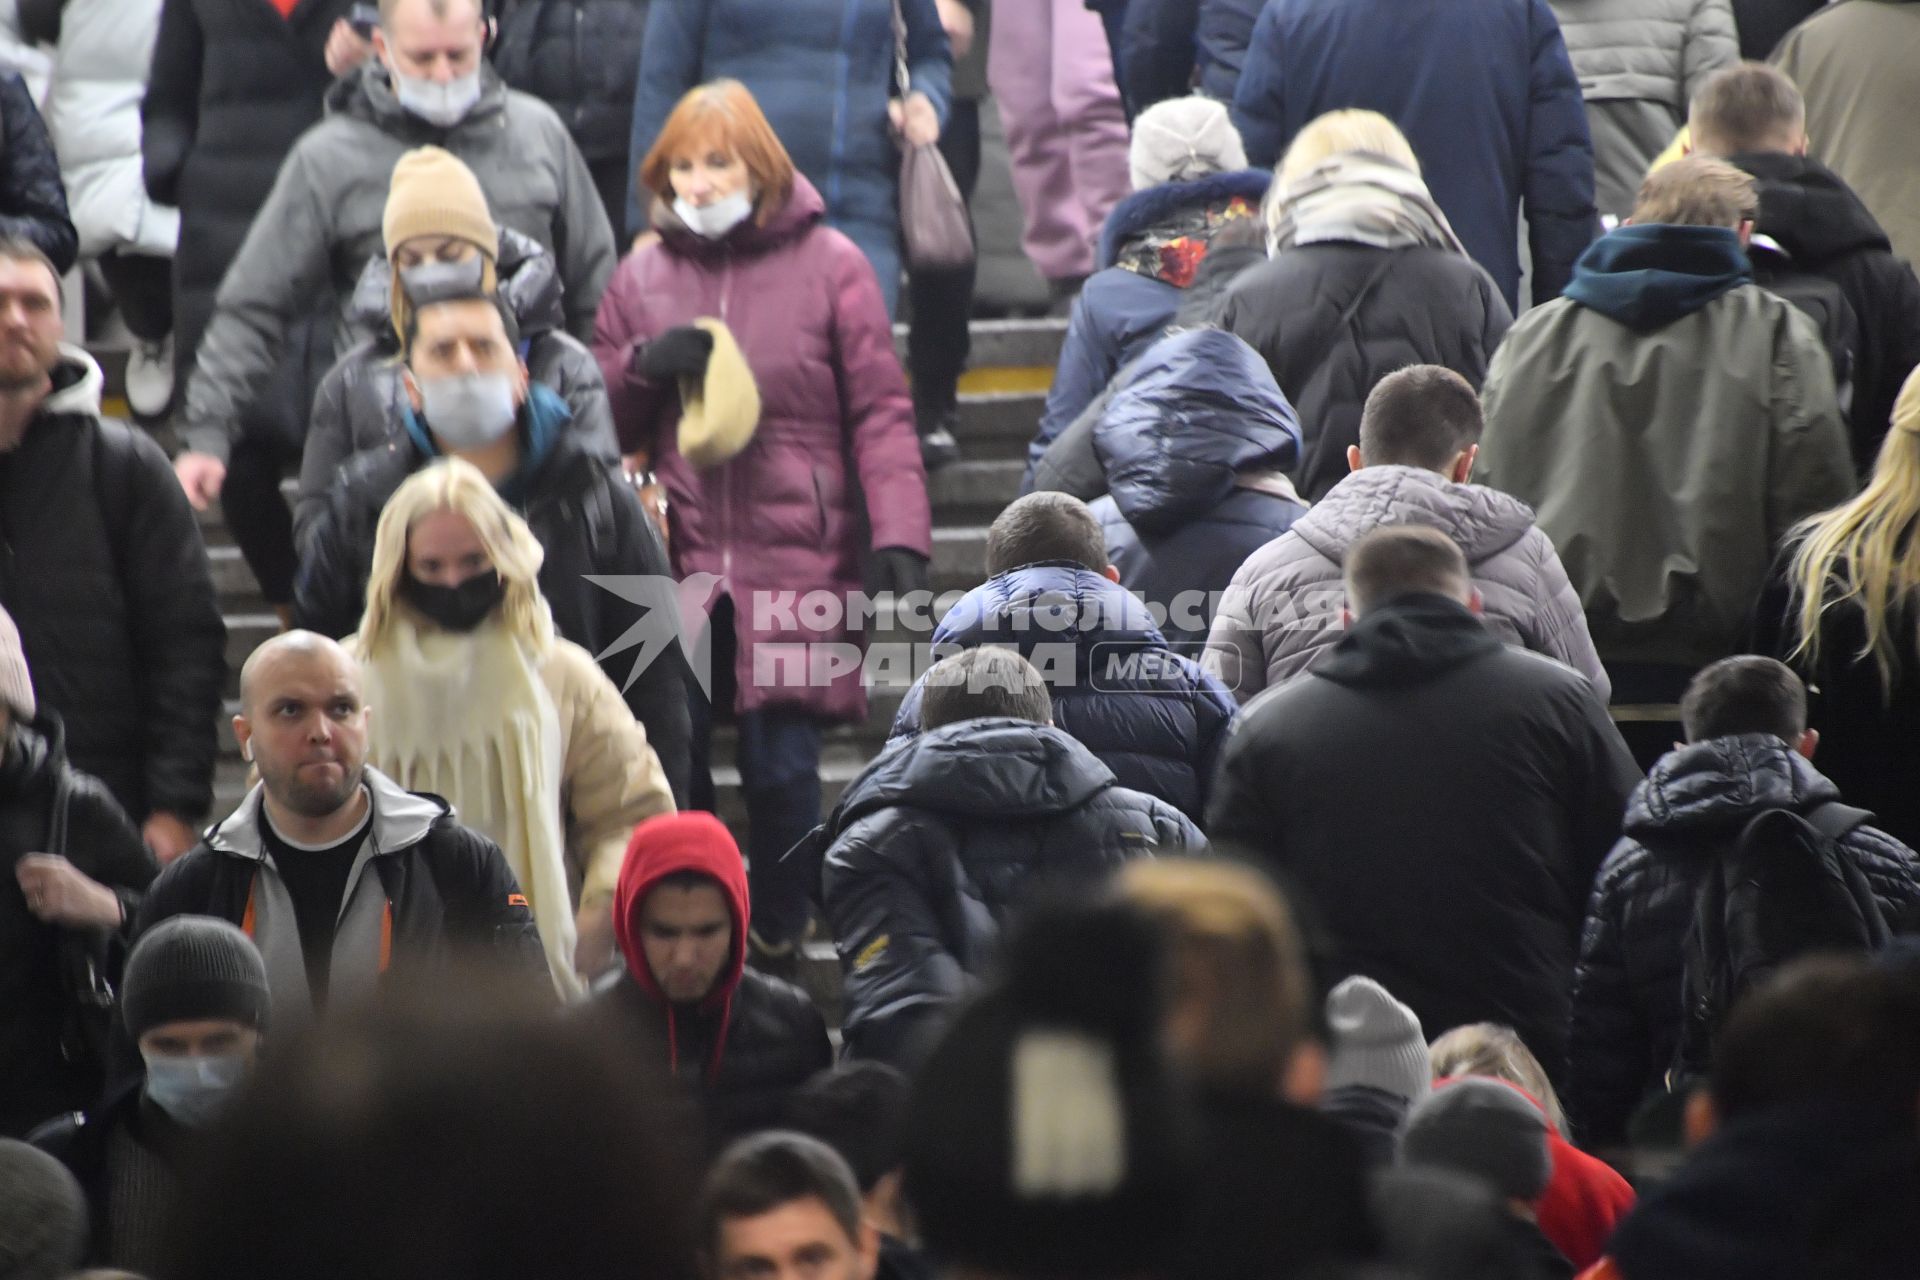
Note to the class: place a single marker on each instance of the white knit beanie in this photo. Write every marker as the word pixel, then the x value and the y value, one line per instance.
pixel 1182 139
pixel 1376 1042
pixel 16 687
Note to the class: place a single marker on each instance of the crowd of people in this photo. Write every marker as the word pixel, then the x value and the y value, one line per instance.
pixel 1425 788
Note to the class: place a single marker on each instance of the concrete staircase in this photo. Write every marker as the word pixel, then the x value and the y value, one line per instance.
pixel 1001 399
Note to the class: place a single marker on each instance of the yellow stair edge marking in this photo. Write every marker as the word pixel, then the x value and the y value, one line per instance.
pixel 1007 379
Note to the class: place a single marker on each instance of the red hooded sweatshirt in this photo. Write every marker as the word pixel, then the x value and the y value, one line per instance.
pixel 661 846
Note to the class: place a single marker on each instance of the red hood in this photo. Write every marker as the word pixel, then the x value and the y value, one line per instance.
pixel 660 847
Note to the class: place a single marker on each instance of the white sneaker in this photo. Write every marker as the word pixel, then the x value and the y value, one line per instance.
pixel 150 377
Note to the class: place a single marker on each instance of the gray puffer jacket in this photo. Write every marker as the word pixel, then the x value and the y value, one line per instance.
pixel 1282 609
pixel 1640 62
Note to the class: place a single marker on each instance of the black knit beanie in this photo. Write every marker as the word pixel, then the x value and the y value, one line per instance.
pixel 189 968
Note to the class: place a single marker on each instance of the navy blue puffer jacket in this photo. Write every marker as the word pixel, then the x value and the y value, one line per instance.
pixel 941 839
pixel 1169 45
pixel 1193 448
pixel 1150 715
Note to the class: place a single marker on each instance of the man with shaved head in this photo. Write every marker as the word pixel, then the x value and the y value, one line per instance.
pixel 335 871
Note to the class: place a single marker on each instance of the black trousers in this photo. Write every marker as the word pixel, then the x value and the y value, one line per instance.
pixel 143 289
pixel 941 302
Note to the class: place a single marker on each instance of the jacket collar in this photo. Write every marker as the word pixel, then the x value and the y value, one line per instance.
pixel 1406 641
pixel 401 819
pixel 1647 276
pixel 1144 210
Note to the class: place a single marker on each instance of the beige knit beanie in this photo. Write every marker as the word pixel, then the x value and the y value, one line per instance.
pixel 434 194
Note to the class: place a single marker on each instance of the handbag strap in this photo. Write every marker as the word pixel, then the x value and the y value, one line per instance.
pixel 900 73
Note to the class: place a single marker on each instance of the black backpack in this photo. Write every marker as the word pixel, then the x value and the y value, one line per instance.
pixel 1821 300
pixel 1783 889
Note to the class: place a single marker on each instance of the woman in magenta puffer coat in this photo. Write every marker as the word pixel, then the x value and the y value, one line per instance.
pixel 827 496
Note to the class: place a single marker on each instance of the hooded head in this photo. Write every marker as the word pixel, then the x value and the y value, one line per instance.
pixel 688 859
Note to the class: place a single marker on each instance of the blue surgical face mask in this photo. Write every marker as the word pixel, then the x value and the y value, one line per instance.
pixel 444 104
pixel 194 1088
pixel 468 410
pixel 716 219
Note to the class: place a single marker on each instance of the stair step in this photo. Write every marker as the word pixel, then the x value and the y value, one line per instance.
pixel 1015 344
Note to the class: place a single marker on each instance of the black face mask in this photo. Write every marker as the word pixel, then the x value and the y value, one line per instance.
pixel 460 608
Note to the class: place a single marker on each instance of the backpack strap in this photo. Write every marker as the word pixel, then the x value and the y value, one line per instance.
pixel 113 487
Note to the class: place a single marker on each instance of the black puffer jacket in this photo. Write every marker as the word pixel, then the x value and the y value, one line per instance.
pixel 361 401
pixel 105 573
pixel 37 1080
pixel 582 57
pixel 1626 996
pixel 940 839
pixel 233 84
pixel 1828 232
pixel 33 200
pixel 1425 306
pixel 775 1041
pixel 587 520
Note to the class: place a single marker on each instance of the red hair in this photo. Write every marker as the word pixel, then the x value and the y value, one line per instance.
pixel 722 116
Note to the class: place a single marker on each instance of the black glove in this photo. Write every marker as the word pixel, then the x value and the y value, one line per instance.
pixel 895 569
pixel 680 352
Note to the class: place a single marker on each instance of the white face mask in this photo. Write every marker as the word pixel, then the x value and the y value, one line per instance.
pixel 442 104
pixel 193 1089
pixel 468 410
pixel 718 218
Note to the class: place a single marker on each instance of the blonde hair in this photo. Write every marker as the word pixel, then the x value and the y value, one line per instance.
pixel 453 485
pixel 1238 966
pixel 1865 551
pixel 1337 131
pixel 1491 1050
pixel 1697 191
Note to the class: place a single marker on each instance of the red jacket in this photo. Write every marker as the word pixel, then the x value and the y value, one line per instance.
pixel 783 515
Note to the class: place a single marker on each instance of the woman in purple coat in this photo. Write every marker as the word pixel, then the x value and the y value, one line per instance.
pixel 773 525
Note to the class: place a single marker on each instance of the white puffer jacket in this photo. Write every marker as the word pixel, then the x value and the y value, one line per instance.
pixel 93 112
pixel 1640 62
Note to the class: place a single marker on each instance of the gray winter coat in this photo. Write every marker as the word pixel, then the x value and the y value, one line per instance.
pixel 322 222
pixel 1281 612
pixel 1640 62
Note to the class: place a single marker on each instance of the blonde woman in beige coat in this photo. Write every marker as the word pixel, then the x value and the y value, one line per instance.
pixel 477 700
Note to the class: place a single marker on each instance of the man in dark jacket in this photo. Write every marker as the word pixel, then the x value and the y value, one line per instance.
pixel 430 85
pixel 1805 1162
pixel 1149 714
pixel 33 201
pixel 361 402
pixel 1196 448
pixel 1748 751
pixel 1753 117
pixel 589 523
pixel 1486 95
pixel 106 575
pixel 1440 799
pixel 582 57
pixel 739 1040
pixel 337 873
pixel 947 833
pixel 78 869
pixel 195 1003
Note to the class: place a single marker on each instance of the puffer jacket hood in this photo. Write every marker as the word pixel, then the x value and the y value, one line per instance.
pixel 664 846
pixel 30 751
pixel 1807 210
pixel 1714 788
pixel 1053 601
pixel 1484 522
pixel 1647 276
pixel 529 283
pixel 1013 769
pixel 1200 408
pixel 1407 641
pixel 1145 211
